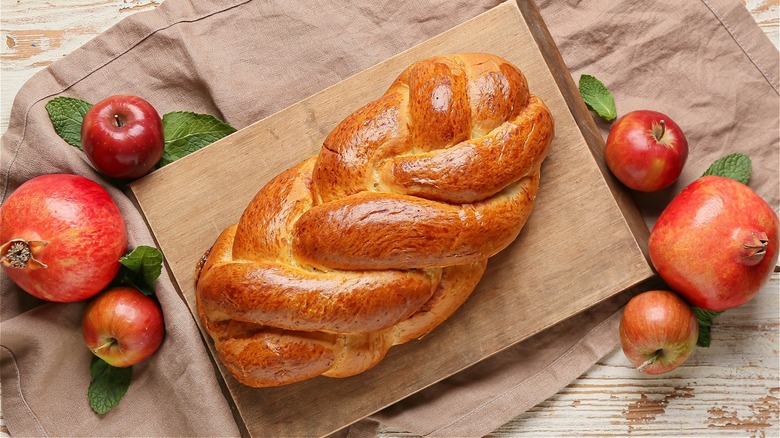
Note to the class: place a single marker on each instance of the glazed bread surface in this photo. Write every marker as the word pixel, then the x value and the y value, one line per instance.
pixel 384 234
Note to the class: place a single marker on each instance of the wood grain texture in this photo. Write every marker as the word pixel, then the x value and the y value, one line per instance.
pixel 730 389
pixel 767 15
pixel 499 313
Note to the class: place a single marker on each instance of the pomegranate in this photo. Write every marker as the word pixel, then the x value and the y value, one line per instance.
pixel 715 243
pixel 61 237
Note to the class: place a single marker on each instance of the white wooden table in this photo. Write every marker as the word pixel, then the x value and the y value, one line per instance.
pixel 732 388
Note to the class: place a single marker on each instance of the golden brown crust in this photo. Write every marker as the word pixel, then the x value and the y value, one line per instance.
pixel 456 285
pixel 459 174
pixel 385 233
pixel 390 231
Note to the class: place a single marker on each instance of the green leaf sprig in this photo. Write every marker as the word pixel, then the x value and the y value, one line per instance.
pixel 597 97
pixel 183 132
pixel 66 116
pixel 736 166
pixel 141 268
pixel 705 319
pixel 186 132
pixel 109 384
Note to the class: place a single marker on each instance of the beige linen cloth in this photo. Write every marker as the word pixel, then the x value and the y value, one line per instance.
pixel 703 62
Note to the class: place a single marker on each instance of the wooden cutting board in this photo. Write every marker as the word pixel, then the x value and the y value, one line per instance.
pixel 582 244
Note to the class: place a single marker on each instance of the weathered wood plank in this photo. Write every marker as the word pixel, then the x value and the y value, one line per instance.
pixel 35 33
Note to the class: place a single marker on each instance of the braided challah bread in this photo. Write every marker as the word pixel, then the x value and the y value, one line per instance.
pixel 380 237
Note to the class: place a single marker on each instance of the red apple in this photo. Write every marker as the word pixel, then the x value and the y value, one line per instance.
pixel 646 150
pixel 122 136
pixel 715 243
pixel 658 331
pixel 61 237
pixel 122 326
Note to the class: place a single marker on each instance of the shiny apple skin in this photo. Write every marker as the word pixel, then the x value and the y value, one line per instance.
pixel 698 244
pixel 127 322
pixel 638 159
pixel 658 320
pixel 127 151
pixel 84 230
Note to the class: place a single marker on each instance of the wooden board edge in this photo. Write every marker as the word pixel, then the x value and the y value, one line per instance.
pixel 207 343
pixel 584 119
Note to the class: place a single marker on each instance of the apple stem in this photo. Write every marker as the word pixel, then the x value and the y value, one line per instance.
pixel 118 121
pixel 108 343
pixel 659 130
pixel 650 361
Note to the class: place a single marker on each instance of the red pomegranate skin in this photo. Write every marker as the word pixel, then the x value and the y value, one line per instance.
pixel 707 243
pixel 81 231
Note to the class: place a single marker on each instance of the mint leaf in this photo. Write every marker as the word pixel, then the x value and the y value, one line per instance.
pixel 109 384
pixel 66 115
pixel 704 317
pixel 735 166
pixel 597 97
pixel 142 268
pixel 186 132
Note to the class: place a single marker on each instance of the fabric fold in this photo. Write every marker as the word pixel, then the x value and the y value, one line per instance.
pixel 242 60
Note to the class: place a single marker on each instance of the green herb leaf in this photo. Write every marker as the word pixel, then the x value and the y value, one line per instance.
pixel 142 268
pixel 66 115
pixel 109 384
pixel 186 132
pixel 735 166
pixel 704 317
pixel 597 97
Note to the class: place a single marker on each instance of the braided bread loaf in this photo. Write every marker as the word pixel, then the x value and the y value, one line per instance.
pixel 381 236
